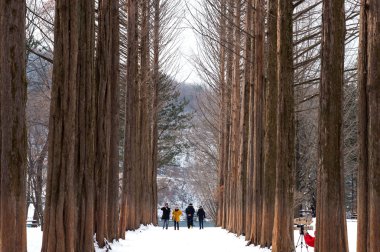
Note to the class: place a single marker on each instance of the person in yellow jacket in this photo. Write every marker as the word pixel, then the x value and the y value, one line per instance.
pixel 176 217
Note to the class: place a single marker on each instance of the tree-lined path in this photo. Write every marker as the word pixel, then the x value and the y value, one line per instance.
pixel 97 132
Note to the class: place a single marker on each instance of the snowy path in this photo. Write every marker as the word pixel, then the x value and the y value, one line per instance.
pixel 183 240
pixel 151 238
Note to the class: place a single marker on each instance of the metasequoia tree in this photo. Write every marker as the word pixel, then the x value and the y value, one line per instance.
pixel 257 131
pixel 128 203
pixel 12 127
pixel 369 132
pixel 330 188
pixel 69 209
pixel 235 123
pixel 242 215
pixel 270 137
pixel 282 240
pixel 107 157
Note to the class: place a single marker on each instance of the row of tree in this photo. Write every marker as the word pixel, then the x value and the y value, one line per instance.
pixel 274 59
pixel 104 101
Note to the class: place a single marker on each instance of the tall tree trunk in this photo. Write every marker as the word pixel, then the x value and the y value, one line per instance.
pixel 270 138
pixel 155 80
pixel 13 148
pixel 113 174
pixel 128 207
pixel 282 239
pixel 85 129
pixel 229 74
pixel 145 122
pixel 107 121
pixel 244 124
pixel 369 132
pixel 257 206
pixel 222 114
pixel 250 154
pixel 60 203
pixel 330 185
pixel 69 209
pixel 235 122
pixel 103 127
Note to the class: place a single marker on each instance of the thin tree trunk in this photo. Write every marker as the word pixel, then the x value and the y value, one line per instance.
pixel 128 208
pixel 282 239
pixel 222 114
pixel 257 206
pixel 145 121
pixel 369 132
pixel 13 148
pixel 235 126
pixel 244 124
pixel 155 79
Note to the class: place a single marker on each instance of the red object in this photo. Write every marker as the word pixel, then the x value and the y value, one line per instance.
pixel 309 240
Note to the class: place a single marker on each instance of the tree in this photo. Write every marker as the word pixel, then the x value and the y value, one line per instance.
pixel 270 137
pixel 70 199
pixel 330 187
pixel 107 84
pixel 129 203
pixel 13 135
pixel 369 132
pixel 282 240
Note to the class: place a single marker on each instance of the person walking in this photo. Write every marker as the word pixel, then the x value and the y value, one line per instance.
pixel 190 215
pixel 201 216
pixel 176 217
pixel 165 215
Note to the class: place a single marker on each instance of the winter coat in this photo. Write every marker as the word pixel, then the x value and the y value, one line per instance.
pixel 177 215
pixel 201 214
pixel 190 211
pixel 165 213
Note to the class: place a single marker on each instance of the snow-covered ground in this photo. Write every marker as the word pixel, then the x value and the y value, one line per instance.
pixel 152 238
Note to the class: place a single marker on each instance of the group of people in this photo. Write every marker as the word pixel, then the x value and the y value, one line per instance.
pixel 177 213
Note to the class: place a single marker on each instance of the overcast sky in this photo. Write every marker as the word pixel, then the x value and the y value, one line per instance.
pixel 187 49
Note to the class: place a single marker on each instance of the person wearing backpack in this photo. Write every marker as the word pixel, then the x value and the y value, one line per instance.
pixel 201 216
pixel 190 215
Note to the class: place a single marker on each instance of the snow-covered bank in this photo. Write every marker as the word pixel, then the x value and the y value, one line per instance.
pixel 152 238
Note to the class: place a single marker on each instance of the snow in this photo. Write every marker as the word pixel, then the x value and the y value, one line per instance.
pixel 151 238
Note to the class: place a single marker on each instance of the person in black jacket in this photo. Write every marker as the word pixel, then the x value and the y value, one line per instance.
pixel 190 215
pixel 201 216
pixel 165 215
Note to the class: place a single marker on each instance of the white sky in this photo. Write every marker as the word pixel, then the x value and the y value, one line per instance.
pixel 187 48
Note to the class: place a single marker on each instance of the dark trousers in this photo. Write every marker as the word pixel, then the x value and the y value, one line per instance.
pixel 200 223
pixel 176 225
pixel 166 223
pixel 189 221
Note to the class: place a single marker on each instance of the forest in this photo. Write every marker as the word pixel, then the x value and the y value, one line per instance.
pixel 97 131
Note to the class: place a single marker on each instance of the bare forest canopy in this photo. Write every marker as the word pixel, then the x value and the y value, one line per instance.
pixel 97 132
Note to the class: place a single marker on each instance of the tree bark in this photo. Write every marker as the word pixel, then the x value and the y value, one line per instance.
pixel 244 124
pixel 257 206
pixel 222 114
pixel 113 175
pixel 69 209
pixel 13 148
pixel 330 185
pixel 369 132
pixel 128 208
pixel 282 239
pixel 270 138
